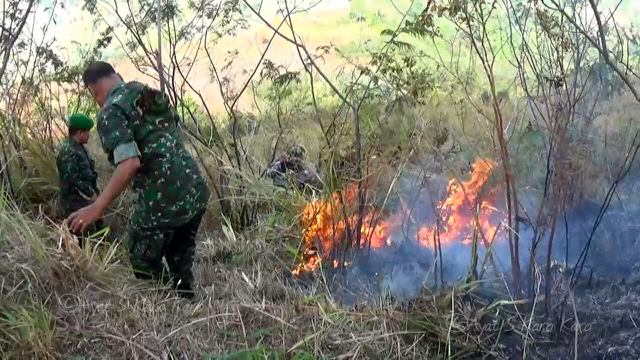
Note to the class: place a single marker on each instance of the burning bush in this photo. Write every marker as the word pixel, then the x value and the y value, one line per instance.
pixel 467 211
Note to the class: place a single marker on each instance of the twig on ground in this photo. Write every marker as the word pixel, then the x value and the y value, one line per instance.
pixel 134 344
pixel 576 325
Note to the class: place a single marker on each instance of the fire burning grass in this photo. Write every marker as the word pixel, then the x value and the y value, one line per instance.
pixel 467 211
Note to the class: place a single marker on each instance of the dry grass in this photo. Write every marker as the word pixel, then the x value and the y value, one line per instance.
pixel 57 300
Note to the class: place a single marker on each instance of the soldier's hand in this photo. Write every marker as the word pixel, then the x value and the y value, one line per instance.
pixel 80 220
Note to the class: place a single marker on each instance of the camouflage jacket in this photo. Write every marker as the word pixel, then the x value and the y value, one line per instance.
pixel 137 120
pixel 303 173
pixel 77 175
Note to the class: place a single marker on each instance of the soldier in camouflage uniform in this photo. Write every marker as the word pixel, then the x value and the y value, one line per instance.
pixel 76 171
pixel 293 163
pixel 139 131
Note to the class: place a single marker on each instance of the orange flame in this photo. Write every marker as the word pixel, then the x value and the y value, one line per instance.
pixel 457 210
pixel 326 225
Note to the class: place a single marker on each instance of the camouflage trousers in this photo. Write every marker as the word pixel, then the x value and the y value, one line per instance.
pixel 177 245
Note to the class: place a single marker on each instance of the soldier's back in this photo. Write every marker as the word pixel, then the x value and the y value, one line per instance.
pixel 170 186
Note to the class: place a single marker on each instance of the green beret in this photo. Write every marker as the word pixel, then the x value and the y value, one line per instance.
pixel 80 121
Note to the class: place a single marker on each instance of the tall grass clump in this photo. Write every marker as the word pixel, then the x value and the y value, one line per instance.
pixel 26 324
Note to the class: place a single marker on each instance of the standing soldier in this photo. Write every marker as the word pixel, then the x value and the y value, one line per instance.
pixel 139 132
pixel 76 171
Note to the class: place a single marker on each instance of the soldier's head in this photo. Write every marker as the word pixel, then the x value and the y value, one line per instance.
pixel 100 77
pixel 296 152
pixel 80 127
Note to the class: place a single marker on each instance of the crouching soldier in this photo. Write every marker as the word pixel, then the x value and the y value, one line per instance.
pixel 77 172
pixel 292 164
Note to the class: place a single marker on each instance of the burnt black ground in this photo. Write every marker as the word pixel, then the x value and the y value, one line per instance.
pixel 607 295
pixel 608 315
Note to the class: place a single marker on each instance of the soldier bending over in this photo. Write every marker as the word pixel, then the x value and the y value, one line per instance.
pixel 139 131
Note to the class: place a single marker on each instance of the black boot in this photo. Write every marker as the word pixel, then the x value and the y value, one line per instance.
pixel 185 290
pixel 99 225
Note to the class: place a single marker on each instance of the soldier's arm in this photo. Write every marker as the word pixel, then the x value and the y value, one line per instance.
pixel 278 166
pixel 273 168
pixel 119 144
pixel 70 172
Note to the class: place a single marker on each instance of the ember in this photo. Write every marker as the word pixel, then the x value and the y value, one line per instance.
pixel 326 226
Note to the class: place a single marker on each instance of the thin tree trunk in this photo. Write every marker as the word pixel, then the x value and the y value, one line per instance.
pixel 159 26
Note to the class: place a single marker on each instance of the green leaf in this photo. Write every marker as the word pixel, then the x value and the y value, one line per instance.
pixel 286 93
pixel 387 32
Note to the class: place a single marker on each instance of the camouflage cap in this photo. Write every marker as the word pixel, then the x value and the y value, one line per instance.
pixel 81 122
pixel 296 152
